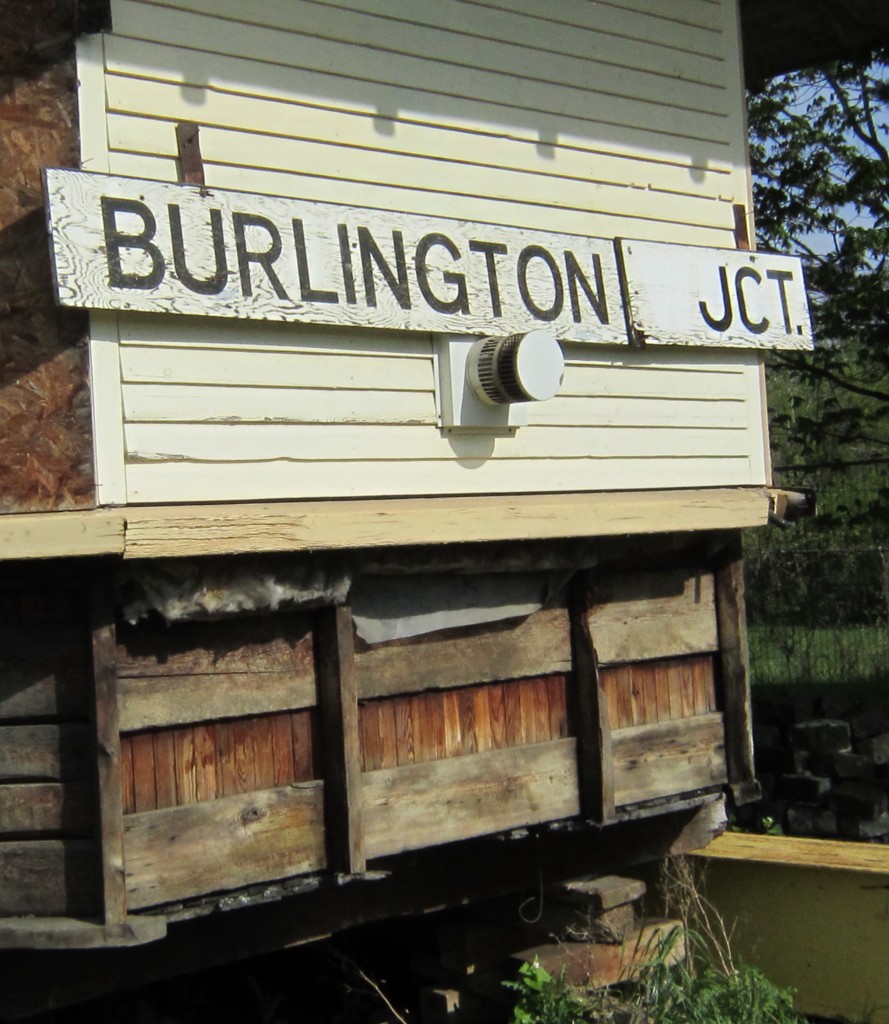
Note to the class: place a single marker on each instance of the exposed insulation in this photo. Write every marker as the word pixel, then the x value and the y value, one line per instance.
pixel 45 432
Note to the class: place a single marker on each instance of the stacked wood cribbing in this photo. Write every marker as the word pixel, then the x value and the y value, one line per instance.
pixel 49 859
pixel 45 433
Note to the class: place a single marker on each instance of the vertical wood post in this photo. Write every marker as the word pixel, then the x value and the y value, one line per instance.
pixel 595 761
pixel 340 755
pixel 735 663
pixel 107 740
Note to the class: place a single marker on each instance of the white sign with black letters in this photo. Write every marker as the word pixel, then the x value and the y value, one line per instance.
pixel 121 243
pixel 683 295
pixel 128 244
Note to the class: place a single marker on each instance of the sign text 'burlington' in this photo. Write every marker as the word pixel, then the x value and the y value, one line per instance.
pixel 126 244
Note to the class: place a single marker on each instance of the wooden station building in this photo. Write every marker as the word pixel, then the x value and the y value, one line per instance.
pixel 380 410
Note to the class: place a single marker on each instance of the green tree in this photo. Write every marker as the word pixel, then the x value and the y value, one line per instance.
pixel 820 157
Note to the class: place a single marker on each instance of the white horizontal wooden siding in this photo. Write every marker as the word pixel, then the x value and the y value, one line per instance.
pixel 614 118
pixel 314 412
pixel 604 118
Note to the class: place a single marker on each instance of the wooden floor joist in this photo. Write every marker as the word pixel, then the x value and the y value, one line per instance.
pixel 182 531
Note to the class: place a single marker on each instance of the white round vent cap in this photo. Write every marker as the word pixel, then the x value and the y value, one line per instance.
pixel 519 368
pixel 540 366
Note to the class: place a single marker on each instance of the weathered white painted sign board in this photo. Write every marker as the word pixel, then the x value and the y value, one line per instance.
pixel 683 295
pixel 127 244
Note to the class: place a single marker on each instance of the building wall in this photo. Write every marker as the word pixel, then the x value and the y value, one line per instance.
pixel 607 119
pixel 45 442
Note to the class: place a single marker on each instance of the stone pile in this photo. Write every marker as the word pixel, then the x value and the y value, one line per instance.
pixel 823 763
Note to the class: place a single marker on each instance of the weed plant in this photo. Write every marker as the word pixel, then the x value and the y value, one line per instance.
pixel 709 987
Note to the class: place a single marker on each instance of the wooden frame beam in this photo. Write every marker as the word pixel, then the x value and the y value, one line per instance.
pixel 595 760
pixel 340 740
pixel 184 531
pixel 734 658
pixel 107 739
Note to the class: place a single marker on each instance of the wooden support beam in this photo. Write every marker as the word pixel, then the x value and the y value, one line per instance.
pixel 339 739
pixel 735 662
pixel 595 762
pixel 107 736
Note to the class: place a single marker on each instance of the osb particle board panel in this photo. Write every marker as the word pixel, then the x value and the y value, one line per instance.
pixel 45 432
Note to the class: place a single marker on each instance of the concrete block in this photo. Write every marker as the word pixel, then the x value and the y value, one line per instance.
pixel 858 799
pixel 803 789
pixel 822 736
pixel 875 747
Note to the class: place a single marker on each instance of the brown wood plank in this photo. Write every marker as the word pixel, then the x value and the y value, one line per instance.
pixel 388 734
pixel 662 692
pixel 624 679
pixel 557 699
pixel 242 735
pixel 468 725
pixel 226 767
pixel 497 715
pixel 735 672
pixel 46 807
pixel 263 753
pixel 339 739
pixel 527 689
pixel 371 748
pixel 481 718
pixel 206 766
pixel 282 749
pixel 165 769
pixel 686 687
pixel 49 877
pixel 184 765
pixel 49 752
pixel 512 705
pixel 536 645
pixel 668 759
pixel 455 798
pixel 128 786
pixel 704 685
pixel 648 615
pixel 404 730
pixel 453 726
pixel 303 729
pixel 595 764
pixel 144 783
pixel 421 726
pixel 224 844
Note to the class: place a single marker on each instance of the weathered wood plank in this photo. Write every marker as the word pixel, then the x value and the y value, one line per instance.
pixel 56 933
pixel 62 534
pixel 51 752
pixel 442 801
pixel 537 645
pixel 640 616
pixel 669 758
pixel 735 663
pixel 186 531
pixel 46 807
pixel 338 727
pixel 42 688
pixel 226 843
pixel 198 672
pixel 144 785
pixel 50 877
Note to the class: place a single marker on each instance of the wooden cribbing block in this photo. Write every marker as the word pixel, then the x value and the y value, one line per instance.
pixel 597 965
pixel 457 1006
pixel 598 894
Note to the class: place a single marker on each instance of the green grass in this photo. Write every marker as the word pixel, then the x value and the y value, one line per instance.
pixel 796 655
